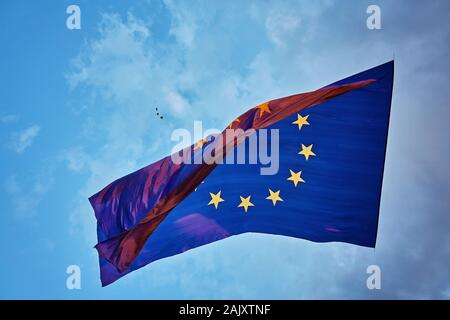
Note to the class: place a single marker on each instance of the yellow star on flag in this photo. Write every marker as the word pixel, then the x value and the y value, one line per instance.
pixel 296 177
pixel 307 151
pixel 301 121
pixel 245 202
pixel 264 107
pixel 200 144
pixel 274 196
pixel 235 120
pixel 215 199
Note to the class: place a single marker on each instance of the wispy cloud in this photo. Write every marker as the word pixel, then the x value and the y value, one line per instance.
pixel 76 159
pixel 26 196
pixel 183 25
pixel 24 139
pixel 9 118
pixel 280 26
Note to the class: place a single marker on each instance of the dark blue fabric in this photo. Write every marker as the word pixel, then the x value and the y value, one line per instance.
pixel 339 200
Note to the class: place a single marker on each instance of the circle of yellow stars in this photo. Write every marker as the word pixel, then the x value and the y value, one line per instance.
pixel 295 176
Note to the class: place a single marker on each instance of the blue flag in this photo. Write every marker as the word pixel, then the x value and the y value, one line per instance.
pixel 325 186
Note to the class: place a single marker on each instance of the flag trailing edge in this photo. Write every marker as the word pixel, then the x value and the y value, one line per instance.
pixel 132 208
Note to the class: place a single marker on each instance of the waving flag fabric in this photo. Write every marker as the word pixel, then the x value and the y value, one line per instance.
pixel 332 145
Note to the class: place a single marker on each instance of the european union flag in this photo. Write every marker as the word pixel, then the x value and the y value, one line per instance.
pixel 327 184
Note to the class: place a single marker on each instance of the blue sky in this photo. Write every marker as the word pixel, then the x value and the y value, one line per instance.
pixel 77 111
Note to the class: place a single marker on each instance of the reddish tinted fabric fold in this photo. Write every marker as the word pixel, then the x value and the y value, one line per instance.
pixel 130 209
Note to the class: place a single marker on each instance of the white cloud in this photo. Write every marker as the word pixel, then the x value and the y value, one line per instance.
pixel 24 139
pixel 280 26
pixel 183 25
pixel 9 118
pixel 176 101
pixel 26 196
pixel 76 159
